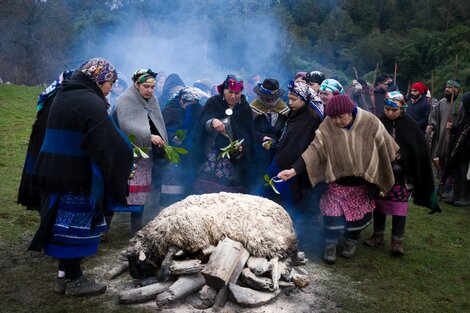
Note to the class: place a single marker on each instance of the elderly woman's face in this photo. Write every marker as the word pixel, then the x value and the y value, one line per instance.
pixel 232 97
pixel 106 88
pixel 325 96
pixel 391 113
pixel 342 120
pixel 295 102
pixel 146 90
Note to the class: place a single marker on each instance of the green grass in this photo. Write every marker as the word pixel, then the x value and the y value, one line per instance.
pixel 17 113
pixel 432 276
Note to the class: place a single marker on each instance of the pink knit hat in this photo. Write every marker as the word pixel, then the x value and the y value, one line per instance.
pixel 338 105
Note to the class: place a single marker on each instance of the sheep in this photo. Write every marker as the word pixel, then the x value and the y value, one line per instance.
pixel 261 225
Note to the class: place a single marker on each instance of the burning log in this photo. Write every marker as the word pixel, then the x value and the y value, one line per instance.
pixel 222 263
pixel 222 295
pixel 183 286
pixel 299 279
pixel 258 283
pixel 252 298
pixel 275 272
pixel 259 266
pixel 185 267
pixel 121 268
pixel 143 294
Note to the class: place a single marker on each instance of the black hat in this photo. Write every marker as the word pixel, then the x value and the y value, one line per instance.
pixel 269 89
pixel 315 77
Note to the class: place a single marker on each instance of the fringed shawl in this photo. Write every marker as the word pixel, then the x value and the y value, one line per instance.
pixel 133 113
pixel 366 150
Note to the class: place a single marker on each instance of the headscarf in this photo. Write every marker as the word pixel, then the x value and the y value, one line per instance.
pixel 453 83
pixel 308 95
pixel 52 88
pixel 315 77
pixel 99 70
pixel 395 99
pixel 144 76
pixel 232 82
pixel 189 94
pixel 420 87
pixel 332 85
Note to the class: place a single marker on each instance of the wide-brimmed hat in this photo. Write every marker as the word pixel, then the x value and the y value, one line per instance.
pixel 269 89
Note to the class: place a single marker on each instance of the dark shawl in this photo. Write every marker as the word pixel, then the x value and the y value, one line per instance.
pixel 29 194
pixel 414 157
pixel 458 151
pixel 177 118
pixel 82 143
pixel 242 125
pixel 297 135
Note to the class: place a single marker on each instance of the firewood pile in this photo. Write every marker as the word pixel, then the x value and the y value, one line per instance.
pixel 207 248
pixel 218 274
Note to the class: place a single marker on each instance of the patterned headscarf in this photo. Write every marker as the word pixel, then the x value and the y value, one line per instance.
pixel 52 88
pixel 189 94
pixel 144 76
pixel 332 85
pixel 232 83
pixel 99 70
pixel 395 99
pixel 308 95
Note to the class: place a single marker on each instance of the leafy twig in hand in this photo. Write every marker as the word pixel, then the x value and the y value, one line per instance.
pixel 138 151
pixel 172 154
pixel 270 182
pixel 233 146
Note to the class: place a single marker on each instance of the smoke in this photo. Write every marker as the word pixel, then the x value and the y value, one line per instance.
pixel 197 39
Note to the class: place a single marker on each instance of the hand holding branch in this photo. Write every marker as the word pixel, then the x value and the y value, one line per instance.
pixel 287 174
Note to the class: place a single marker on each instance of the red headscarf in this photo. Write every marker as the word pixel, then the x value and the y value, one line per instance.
pixel 422 89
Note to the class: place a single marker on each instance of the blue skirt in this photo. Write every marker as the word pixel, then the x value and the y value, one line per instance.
pixel 73 234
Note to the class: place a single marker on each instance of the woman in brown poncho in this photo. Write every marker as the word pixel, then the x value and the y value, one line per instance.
pixel 352 152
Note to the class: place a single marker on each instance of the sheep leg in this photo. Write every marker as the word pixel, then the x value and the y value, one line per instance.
pixel 165 272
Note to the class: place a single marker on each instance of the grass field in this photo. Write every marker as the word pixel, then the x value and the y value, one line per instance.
pixel 433 276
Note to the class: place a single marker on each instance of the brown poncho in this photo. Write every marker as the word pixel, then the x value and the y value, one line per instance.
pixel 366 150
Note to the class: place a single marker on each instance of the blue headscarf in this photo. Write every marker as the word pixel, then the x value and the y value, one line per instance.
pixel 52 88
pixel 308 95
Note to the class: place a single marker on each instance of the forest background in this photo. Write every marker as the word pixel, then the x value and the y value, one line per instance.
pixel 210 38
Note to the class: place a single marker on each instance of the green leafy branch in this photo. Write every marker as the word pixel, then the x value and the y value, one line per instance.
pixel 172 154
pixel 181 134
pixel 138 151
pixel 270 182
pixel 233 146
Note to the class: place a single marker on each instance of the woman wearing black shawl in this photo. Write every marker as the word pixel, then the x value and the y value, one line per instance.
pixel 305 115
pixel 412 167
pixel 227 114
pixel 84 161
pixel 181 116
pixel 296 195
pixel 459 156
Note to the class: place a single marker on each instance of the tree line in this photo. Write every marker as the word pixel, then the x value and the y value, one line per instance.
pixel 420 40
